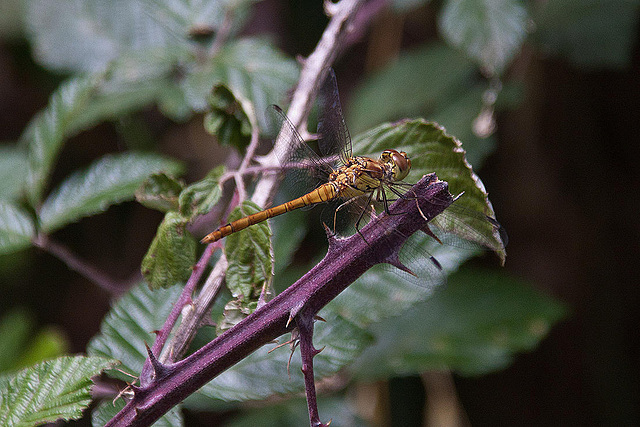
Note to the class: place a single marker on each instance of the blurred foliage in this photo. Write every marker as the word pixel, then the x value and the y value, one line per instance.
pixel 473 325
pixel 122 57
pixel 21 346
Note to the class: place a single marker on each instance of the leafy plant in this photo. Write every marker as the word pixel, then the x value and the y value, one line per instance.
pixel 191 59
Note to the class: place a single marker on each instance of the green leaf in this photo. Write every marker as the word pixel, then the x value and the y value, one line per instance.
pixel 489 31
pixel 51 390
pixel 12 20
pixel 227 119
pixel 294 412
pixel 250 256
pixel 15 327
pixel 48 130
pixel 251 69
pixel 20 347
pixel 14 166
pixel 474 325
pixel 459 114
pixel 144 46
pixel 385 291
pixel 590 33
pixel 107 410
pixel 16 228
pixel 263 374
pixel 431 149
pixel 110 180
pixel 123 334
pixel 418 83
pixel 130 84
pixel 457 117
pixel 86 35
pixel 129 324
pixel 172 253
pixel 235 311
pixel 200 197
pixel 49 342
pixel 160 191
pixel 288 232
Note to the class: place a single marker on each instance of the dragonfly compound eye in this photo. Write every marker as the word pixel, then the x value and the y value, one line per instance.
pixel 400 163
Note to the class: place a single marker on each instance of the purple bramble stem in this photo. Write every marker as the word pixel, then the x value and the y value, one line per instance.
pixel 346 260
pixel 184 299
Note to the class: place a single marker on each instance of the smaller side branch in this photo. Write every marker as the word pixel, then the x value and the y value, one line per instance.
pixel 305 322
pixel 301 104
pixel 183 300
pixel 346 260
pixel 77 264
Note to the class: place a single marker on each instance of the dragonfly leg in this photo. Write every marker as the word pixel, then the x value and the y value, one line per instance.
pixel 340 207
pixel 406 196
pixel 386 200
pixel 365 209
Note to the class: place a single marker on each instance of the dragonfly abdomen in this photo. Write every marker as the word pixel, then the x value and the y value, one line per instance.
pixel 321 194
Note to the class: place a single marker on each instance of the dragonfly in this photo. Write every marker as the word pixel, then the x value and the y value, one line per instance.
pixel 361 185
pixel 357 176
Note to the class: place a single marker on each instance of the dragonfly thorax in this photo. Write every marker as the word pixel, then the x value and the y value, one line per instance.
pixel 396 163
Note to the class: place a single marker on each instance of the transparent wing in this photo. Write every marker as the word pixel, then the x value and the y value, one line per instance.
pixel 464 228
pixel 333 135
pixel 456 227
pixel 304 169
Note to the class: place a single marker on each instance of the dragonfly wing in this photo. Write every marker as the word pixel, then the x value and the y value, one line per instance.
pixel 456 226
pixel 463 228
pixel 333 135
pixel 304 169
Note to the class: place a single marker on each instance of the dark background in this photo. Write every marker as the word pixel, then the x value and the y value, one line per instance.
pixel 564 181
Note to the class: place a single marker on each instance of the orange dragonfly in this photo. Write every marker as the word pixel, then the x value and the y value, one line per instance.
pixel 360 183
pixel 355 179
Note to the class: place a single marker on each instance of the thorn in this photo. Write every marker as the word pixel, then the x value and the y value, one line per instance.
pixel 293 349
pixel 294 312
pixel 159 369
pixel 316 352
pixel 426 230
pixel 436 262
pixel 291 316
pixel 395 261
pixel 316 317
pixel 155 331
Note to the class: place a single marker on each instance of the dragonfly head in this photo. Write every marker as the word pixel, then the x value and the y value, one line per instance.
pixel 397 162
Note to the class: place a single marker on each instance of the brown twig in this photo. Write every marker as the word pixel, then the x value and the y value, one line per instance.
pixel 302 101
pixel 77 264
